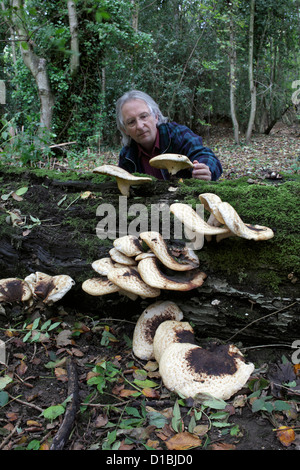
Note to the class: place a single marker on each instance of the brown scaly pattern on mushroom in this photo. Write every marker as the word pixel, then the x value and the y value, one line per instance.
pixel 171 331
pixel 181 281
pixel 190 370
pixel 148 323
pixel 14 290
pixel 185 258
pixel 48 288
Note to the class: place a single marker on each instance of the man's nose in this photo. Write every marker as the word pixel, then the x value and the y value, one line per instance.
pixel 139 123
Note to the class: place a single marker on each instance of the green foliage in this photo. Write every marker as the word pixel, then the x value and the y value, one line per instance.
pixel 183 63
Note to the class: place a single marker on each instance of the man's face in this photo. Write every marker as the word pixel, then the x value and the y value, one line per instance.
pixel 139 123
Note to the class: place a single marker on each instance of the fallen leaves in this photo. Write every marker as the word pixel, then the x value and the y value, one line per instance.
pixel 286 435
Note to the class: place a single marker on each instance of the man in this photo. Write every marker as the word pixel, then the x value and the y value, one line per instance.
pixel 146 133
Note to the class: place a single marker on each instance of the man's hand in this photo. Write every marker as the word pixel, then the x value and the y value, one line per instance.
pixel 201 171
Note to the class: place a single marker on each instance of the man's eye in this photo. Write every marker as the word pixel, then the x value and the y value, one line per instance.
pixel 130 123
pixel 144 116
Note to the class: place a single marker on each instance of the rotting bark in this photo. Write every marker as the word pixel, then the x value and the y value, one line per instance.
pixel 246 280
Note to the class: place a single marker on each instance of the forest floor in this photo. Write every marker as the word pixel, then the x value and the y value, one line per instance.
pixel 58 358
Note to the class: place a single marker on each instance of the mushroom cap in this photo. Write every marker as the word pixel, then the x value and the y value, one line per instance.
pixel 184 260
pixel 171 331
pixel 239 228
pixel 129 245
pixel 193 221
pixel 99 286
pixel 181 281
pixel 211 202
pixel 48 288
pixel 124 178
pixel 146 326
pixel 119 257
pixel 171 162
pixel 14 290
pixel 190 370
pixel 129 279
pixel 103 265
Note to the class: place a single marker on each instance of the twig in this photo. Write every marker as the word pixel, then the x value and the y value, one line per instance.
pixel 3 443
pixel 65 429
pixel 31 405
pixel 262 318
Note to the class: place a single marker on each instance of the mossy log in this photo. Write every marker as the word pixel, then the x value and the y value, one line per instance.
pixel 247 281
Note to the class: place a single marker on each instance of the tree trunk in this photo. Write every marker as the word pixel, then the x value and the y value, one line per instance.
pixel 73 22
pixel 251 287
pixel 233 81
pixel 36 65
pixel 252 84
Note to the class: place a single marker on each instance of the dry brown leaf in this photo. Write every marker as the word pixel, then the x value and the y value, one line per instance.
pixel 150 393
pixel 127 393
pixel 152 444
pixel 222 446
pixel 101 420
pixel 22 368
pixel 286 435
pixel 182 441
pixel 61 374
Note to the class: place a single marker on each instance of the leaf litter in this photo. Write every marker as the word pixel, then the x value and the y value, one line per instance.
pixel 122 403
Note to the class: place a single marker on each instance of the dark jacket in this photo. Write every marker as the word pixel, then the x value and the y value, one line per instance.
pixel 174 138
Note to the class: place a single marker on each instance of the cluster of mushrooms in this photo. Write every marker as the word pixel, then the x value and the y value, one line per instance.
pixel 142 266
pixel 185 367
pixel 37 286
pixel 173 163
pixel 132 271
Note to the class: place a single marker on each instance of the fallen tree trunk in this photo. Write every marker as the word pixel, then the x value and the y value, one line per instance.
pixel 55 232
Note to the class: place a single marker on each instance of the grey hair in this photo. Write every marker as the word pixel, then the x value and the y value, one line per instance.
pixel 136 95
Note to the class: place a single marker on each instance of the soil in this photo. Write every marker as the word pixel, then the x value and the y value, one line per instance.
pixel 42 371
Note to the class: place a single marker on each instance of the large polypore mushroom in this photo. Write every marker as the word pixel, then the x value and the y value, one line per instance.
pixel 154 275
pixel 224 213
pixel 148 323
pixel 98 286
pixel 48 288
pixel 124 178
pixel 129 245
pixel 189 218
pixel 171 162
pixel 190 370
pixel 129 279
pixel 169 332
pixel 237 227
pixel 14 290
pixel 183 260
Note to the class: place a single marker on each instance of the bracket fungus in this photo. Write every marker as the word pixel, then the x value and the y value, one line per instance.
pixel 124 178
pixel 97 286
pixel 189 370
pixel 193 221
pixel 48 288
pixel 121 258
pixel 171 162
pixel 129 279
pixel 14 290
pixel 129 245
pixel 237 227
pixel 147 324
pixel 169 332
pixel 184 260
pixel 181 281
